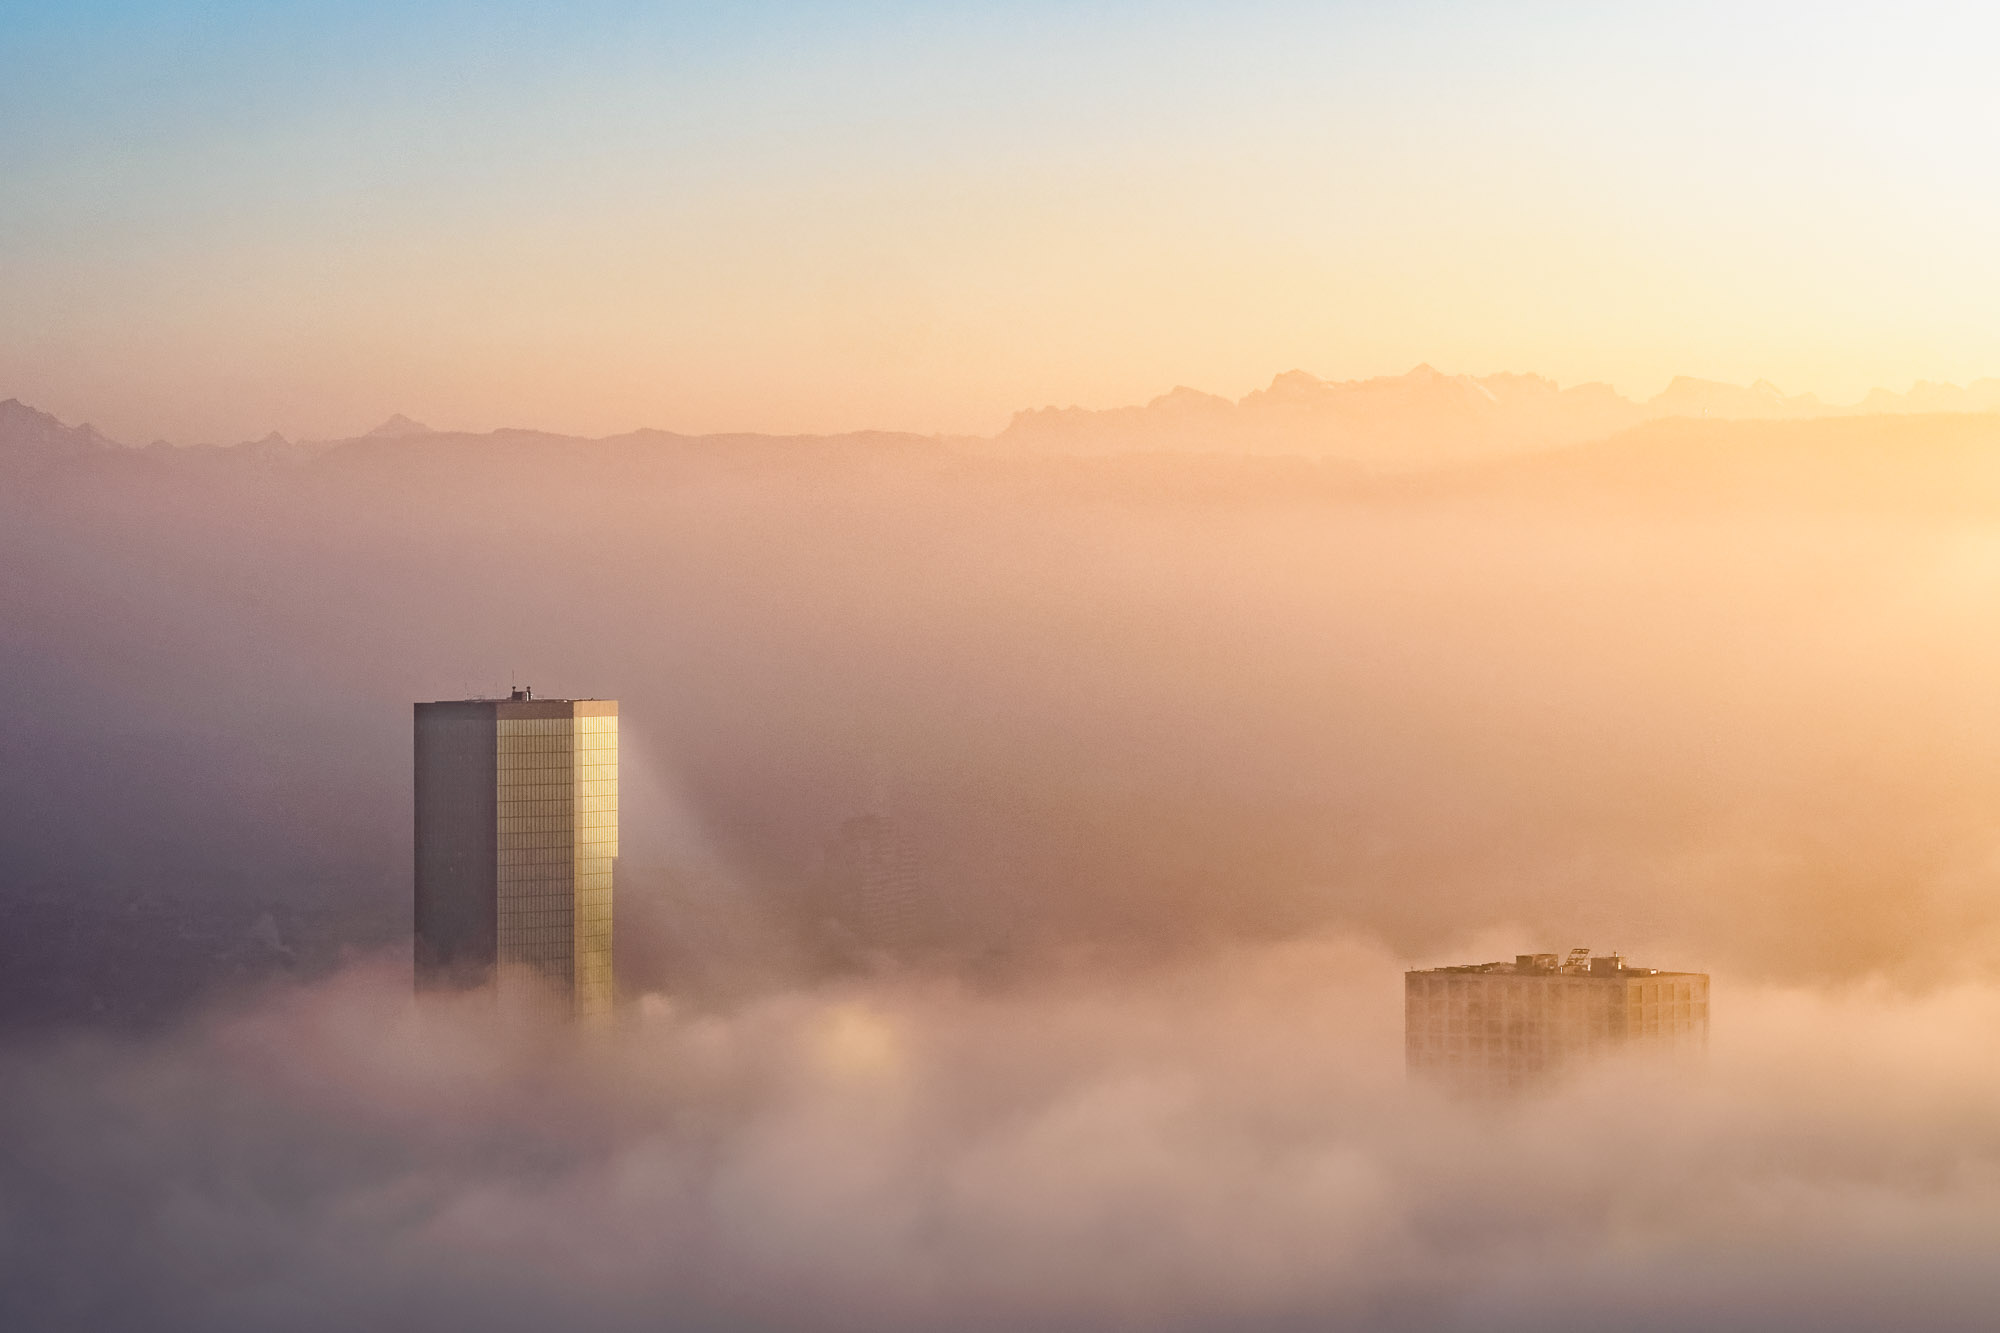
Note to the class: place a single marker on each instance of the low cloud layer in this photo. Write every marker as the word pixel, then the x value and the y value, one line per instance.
pixel 1226 1144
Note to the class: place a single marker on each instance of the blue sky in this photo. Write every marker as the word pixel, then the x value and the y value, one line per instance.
pixel 221 219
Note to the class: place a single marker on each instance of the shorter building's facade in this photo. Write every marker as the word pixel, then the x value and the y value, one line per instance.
pixel 1494 1026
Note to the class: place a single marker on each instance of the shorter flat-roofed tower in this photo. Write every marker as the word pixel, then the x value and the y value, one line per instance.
pixel 1494 1026
pixel 517 832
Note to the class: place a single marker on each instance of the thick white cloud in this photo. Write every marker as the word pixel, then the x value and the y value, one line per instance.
pixel 1227 1143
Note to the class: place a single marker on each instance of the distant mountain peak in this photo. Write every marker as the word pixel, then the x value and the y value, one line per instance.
pixel 398 427
pixel 14 410
pixel 26 430
pixel 1183 399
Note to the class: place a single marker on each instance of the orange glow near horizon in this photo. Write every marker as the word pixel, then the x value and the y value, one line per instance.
pixel 791 221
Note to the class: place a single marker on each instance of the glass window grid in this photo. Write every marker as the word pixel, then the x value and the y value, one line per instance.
pixel 558 823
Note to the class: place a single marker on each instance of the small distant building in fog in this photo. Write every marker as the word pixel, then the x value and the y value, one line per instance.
pixel 871 897
pixel 517 832
pixel 1494 1026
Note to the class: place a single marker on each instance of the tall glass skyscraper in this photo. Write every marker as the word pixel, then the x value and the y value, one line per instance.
pixel 517 831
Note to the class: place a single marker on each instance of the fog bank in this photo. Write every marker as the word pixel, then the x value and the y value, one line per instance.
pixel 1221 1144
pixel 1715 693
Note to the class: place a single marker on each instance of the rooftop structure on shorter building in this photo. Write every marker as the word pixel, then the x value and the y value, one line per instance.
pixel 1494 1026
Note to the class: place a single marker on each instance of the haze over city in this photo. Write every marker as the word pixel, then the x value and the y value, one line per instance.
pixel 1099 545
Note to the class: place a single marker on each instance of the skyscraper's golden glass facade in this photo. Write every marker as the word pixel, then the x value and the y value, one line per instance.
pixel 596 750
pixel 517 833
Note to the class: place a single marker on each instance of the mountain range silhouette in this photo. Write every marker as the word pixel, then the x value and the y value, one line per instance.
pixel 1423 418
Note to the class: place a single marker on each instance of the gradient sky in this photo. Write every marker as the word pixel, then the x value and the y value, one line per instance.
pixel 222 219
